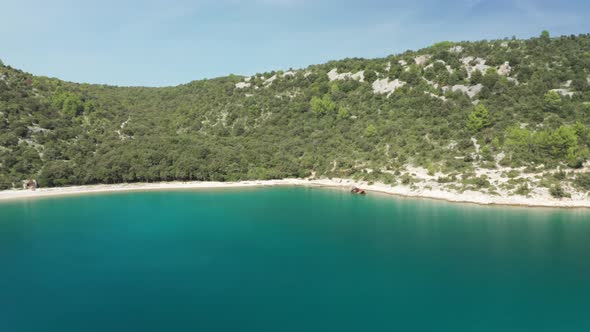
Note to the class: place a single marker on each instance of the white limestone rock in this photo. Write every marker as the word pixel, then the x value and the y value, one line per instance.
pixel 333 75
pixel 456 49
pixel 383 86
pixel 422 59
pixel 564 92
pixel 471 91
pixel 505 69
pixel 242 85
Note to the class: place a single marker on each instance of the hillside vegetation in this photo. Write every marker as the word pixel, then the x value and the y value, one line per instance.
pixel 459 111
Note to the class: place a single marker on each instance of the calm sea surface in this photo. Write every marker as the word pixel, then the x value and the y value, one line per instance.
pixel 289 259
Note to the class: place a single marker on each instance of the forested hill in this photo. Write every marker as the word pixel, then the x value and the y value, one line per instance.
pixel 451 108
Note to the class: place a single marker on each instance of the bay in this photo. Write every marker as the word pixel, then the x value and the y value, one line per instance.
pixel 289 259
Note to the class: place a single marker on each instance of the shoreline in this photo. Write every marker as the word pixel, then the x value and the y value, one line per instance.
pixel 471 197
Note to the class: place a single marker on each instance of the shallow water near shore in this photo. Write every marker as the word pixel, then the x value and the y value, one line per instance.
pixel 289 259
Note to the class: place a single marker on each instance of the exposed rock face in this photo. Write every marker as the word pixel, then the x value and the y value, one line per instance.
pixel 333 75
pixel 456 49
pixel 385 86
pixel 37 129
pixel 269 81
pixel 471 91
pixel 564 92
pixel 443 98
pixel 422 59
pixel 242 85
pixel 513 80
pixel 505 69
pixel 449 68
pixel 467 60
pixel 472 64
pixel 432 83
pixel 360 76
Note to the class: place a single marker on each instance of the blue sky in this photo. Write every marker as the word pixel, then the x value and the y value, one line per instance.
pixel 159 43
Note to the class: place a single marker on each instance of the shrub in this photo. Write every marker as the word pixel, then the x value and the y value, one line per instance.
pixel 513 173
pixel 447 179
pixel 406 179
pixel 558 192
pixel 478 119
pixel 583 181
pixel 560 176
pixel 523 189
pixel 479 182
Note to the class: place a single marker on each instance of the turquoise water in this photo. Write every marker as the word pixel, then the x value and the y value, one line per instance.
pixel 289 259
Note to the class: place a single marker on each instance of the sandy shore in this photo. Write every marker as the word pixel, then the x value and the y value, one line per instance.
pixel 406 191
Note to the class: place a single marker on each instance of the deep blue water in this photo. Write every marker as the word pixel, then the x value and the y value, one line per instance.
pixel 289 259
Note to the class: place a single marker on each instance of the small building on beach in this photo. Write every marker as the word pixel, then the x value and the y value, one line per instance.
pixel 30 184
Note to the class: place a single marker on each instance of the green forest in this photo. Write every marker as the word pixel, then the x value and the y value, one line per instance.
pixel 451 108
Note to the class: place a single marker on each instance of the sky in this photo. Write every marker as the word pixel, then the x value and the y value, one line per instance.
pixel 170 42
